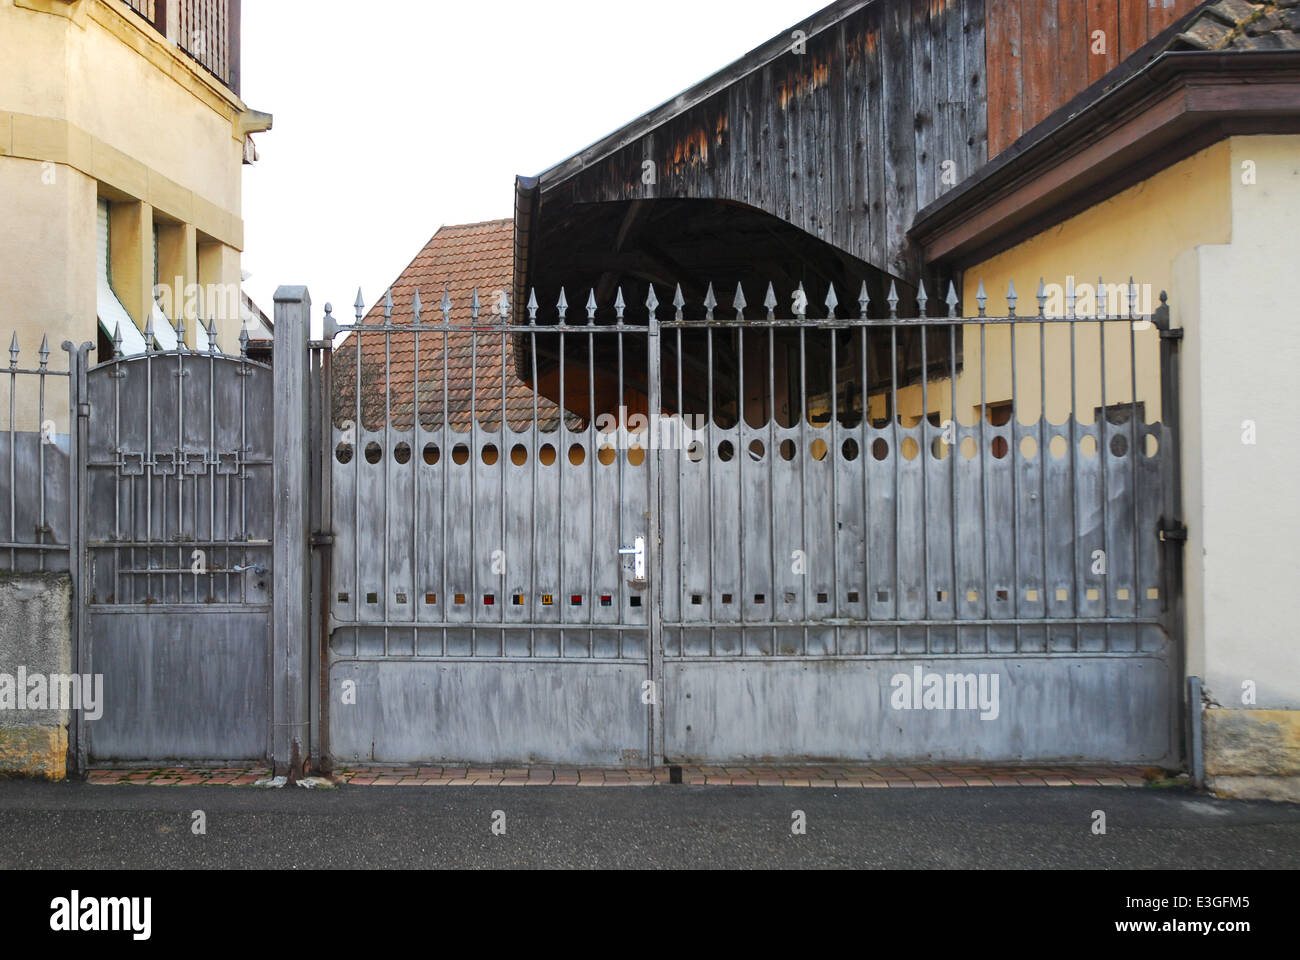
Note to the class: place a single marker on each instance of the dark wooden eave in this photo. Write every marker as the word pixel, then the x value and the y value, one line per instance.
pixel 1174 107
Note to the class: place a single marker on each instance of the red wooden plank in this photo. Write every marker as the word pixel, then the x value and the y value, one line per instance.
pixel 1076 49
pixel 1003 47
pixel 1042 52
pixel 1132 26
pixel 1103 35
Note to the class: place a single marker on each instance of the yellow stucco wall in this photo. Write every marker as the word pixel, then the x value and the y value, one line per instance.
pixel 93 103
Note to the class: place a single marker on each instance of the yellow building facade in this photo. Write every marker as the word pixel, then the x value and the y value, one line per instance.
pixel 121 159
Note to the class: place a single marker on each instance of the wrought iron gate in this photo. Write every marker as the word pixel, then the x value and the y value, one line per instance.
pixel 482 607
pixel 177 508
pixel 847 538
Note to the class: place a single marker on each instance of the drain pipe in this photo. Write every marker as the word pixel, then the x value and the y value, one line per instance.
pixel 1194 727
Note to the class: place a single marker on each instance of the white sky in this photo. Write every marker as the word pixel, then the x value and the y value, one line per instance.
pixel 395 117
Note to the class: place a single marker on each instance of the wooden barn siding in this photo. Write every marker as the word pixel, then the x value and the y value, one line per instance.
pixel 1040 53
pixel 846 142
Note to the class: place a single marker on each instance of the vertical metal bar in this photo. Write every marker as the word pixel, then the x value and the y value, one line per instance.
pixel 984 486
pixel 503 462
pixel 677 533
pixel 180 477
pixel 561 455
pixel 1013 455
pixel 148 475
pixel 712 500
pixel 619 458
pixel 13 450
pixel 1102 430
pixel 474 600
pixel 592 459
pixel 215 457
pixel 954 452
pixel 1043 454
pixel 417 586
pixel 772 452
pixel 804 453
pixel 833 454
pixel 40 450
pixel 1133 454
pixel 741 455
pixel 386 457
pixel 894 417
pixel 866 456
pixel 925 454
pixel 358 593
pixel 532 511
pixel 653 540
pixel 117 487
pixel 445 463
pixel 1074 475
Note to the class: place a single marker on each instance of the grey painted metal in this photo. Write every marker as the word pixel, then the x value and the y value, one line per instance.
pixel 502 625
pixel 176 491
pixel 291 622
pixel 799 564
pixel 1194 721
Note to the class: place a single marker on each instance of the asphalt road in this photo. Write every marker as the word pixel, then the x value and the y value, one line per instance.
pixel 75 826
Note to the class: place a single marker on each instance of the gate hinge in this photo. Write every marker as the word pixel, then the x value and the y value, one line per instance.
pixel 1175 334
pixel 322 539
pixel 1173 532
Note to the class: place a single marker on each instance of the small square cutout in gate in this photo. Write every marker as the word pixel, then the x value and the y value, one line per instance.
pixel 972 596
pixel 1031 596
pixel 941 596
pixel 372 598
pixel 1093 595
pixel 636 601
pixel 576 600
pixel 548 600
pixel 854 596
pixel 431 599
pixel 697 600
pixel 1121 594
pixel 489 600
pixel 345 598
pixel 1062 596
pixel 606 600
pixel 1003 596
pixel 1153 594
pixel 401 598
pixel 760 598
pixel 727 599
pixel 518 600
pixel 823 598
pixel 882 596
pixel 790 598
pixel 460 599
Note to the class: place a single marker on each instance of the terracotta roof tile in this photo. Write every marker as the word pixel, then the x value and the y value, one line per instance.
pixel 1239 25
pixel 458 259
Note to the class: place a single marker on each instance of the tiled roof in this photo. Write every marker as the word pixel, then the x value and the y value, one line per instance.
pixel 1239 25
pixel 458 259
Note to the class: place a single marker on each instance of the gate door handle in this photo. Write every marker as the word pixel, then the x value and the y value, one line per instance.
pixel 637 553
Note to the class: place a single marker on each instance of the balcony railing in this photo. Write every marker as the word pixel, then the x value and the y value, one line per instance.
pixel 207 31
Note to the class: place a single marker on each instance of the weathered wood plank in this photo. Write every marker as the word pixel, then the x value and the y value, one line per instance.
pixel 1005 97
pixel 1103 38
pixel 1132 26
pixel 1042 54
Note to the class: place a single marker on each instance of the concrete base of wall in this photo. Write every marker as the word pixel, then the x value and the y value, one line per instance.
pixel 1253 754
pixel 35 634
pixel 40 752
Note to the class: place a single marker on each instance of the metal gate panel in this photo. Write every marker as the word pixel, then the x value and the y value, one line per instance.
pixel 808 563
pixel 179 512
pixel 481 609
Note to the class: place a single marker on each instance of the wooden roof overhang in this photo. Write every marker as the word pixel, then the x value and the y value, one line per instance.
pixel 1106 141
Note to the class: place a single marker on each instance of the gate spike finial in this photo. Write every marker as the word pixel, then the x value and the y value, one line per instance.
pixel 591 307
pixel 117 340
pixel 800 303
pixel 652 301
pixel 982 299
pixel 563 307
pixel 739 303
pixel 678 302
pixel 13 352
pixel 1132 297
pixel 1042 297
pixel 921 299
pixel 532 306
pixel 832 301
pixel 710 303
pixel 1070 298
pixel 180 332
pixel 445 305
pixel 148 335
pixel 952 300
pixel 503 306
pixel 1100 306
pixel 416 306
pixel 330 326
pixel 360 306
pixel 1012 298
pixel 475 306
pixel 864 301
pixel 243 342
pixel 388 306
pixel 893 300
pixel 45 351
pixel 620 305
pixel 769 302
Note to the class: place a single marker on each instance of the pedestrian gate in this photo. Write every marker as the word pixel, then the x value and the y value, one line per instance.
pixel 703 534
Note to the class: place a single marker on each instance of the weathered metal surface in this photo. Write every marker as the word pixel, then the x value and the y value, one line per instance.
pixel 477 584
pixel 178 540
pixel 1113 709
pixel 816 535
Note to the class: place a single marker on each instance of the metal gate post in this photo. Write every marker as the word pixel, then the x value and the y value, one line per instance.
pixel 655 542
pixel 290 620
pixel 1173 529
pixel 78 441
